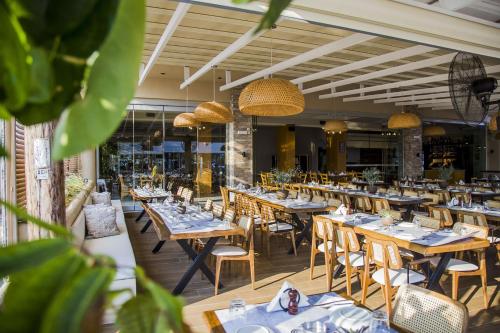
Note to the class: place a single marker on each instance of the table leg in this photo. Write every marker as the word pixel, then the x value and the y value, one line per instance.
pixel 146 226
pixel 305 232
pixel 158 246
pixel 436 274
pixel 198 263
pixel 140 216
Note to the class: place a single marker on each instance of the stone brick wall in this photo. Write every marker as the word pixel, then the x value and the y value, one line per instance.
pixel 239 147
pixel 412 157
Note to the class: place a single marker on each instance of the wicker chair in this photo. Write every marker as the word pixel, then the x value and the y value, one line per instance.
pixel 353 258
pixel 322 242
pixel 420 310
pixel 390 272
pixel 272 226
pixel 443 214
pixel 245 252
pixel 458 267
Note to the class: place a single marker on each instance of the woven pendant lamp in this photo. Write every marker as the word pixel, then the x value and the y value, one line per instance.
pixel 403 120
pixel 213 112
pixel 271 98
pixel 434 131
pixel 336 126
pixel 186 119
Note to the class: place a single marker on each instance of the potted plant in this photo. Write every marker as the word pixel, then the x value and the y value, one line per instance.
pixel 386 217
pixel 282 177
pixel 445 174
pixel 371 176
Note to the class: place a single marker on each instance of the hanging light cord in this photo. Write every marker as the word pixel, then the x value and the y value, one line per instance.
pixel 187 97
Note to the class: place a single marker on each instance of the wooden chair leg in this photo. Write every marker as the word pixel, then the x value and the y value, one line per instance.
pixel 292 234
pixel 388 300
pixel 328 272
pixel 364 289
pixel 252 271
pixel 312 262
pixel 217 274
pixel 348 279
pixel 484 278
pixel 268 244
pixel 454 285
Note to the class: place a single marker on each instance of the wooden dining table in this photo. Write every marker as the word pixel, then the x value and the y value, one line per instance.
pixel 491 215
pixel 445 251
pixel 293 211
pixel 394 201
pixel 182 237
pixel 144 199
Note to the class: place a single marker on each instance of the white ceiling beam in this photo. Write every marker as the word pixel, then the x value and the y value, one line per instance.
pixel 407 83
pixel 431 101
pixel 175 20
pixel 390 19
pixel 444 107
pixel 373 61
pixel 318 52
pixel 237 45
pixel 385 72
pixel 397 94
pixel 411 98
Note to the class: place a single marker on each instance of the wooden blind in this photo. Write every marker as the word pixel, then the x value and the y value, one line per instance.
pixel 20 172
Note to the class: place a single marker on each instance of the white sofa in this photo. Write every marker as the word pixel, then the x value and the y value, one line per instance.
pixel 118 247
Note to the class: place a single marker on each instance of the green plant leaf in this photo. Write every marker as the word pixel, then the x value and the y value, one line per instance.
pixel 90 35
pixel 4 113
pixel 111 85
pixel 276 7
pixel 18 257
pixel 3 152
pixel 21 213
pixel 14 68
pixel 42 80
pixel 71 303
pixel 138 315
pixel 169 305
pixel 68 78
pixel 31 291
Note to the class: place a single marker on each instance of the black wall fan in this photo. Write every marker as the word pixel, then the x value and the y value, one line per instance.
pixel 470 88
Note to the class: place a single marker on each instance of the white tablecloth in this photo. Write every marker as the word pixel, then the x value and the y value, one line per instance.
pixel 282 322
pixel 410 232
pixel 193 220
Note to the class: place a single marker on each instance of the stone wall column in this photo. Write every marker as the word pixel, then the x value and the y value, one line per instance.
pixel 239 147
pixel 412 155
pixel 44 195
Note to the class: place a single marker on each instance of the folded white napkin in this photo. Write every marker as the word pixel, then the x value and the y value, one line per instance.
pixel 453 202
pixel 461 182
pixel 342 210
pixel 274 305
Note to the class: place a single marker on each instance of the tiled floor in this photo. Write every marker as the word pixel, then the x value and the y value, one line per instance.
pixel 169 264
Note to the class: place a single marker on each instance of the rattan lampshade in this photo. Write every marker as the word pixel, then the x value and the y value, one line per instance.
pixel 336 126
pixel 434 131
pixel 213 112
pixel 186 119
pixel 403 120
pixel 271 98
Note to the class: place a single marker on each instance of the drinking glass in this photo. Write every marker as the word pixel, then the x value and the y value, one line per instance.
pixel 379 322
pixel 314 327
pixel 237 309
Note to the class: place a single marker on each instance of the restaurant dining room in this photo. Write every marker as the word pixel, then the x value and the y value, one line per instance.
pixel 250 166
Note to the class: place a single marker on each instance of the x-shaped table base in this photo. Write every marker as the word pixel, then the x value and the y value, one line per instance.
pixel 198 264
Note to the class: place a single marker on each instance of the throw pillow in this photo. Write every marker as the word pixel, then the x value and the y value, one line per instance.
pixel 100 221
